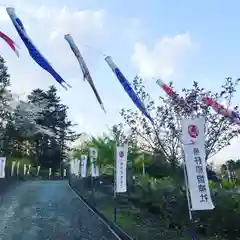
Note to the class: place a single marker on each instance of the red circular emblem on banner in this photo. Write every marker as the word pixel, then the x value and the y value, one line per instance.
pixel 193 131
pixel 121 154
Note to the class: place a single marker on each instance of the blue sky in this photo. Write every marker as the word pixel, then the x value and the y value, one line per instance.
pixel 194 40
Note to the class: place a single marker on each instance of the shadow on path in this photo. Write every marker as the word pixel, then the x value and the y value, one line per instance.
pixel 48 210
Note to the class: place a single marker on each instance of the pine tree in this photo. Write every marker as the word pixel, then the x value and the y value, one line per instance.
pixel 4 113
pixel 50 150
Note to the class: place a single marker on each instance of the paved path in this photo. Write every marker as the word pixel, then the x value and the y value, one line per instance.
pixel 48 210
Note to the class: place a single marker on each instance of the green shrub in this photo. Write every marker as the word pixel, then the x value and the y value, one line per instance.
pixel 213 185
pixel 227 184
pixel 224 219
pixel 171 204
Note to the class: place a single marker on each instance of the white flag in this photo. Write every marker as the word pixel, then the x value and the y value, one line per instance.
pixel 97 171
pixel 71 166
pixel 50 172
pixel 18 165
pixel 84 166
pixel 93 154
pixel 13 166
pixel 194 149
pixel 64 172
pixel 74 166
pixel 77 167
pixel 121 169
pixel 24 169
pixel 38 170
pixel 29 169
pixel 2 167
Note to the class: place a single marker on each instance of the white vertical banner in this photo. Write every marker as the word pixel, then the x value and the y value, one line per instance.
pixel 97 171
pixel 2 167
pixel 77 162
pixel 83 166
pixel 38 170
pixel 64 172
pixel 121 169
pixel 194 150
pixel 18 165
pixel 13 167
pixel 93 154
pixel 74 166
pixel 50 172
pixel 29 169
pixel 24 169
pixel 71 167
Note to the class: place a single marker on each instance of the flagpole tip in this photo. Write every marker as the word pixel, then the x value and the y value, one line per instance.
pixel 159 82
pixel 66 36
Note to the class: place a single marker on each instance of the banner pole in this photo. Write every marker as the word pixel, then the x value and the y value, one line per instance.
pixel 17 171
pixel 192 233
pixel 93 190
pixel 114 190
pixel 92 177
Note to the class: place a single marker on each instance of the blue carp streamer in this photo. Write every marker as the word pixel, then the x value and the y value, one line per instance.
pixel 84 68
pixel 127 87
pixel 33 51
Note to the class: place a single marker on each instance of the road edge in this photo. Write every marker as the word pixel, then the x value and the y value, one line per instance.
pixel 113 228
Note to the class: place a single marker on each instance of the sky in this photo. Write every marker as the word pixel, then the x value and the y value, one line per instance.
pixel 178 41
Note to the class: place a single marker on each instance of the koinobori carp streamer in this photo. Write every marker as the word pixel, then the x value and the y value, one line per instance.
pixel 33 51
pixel 127 87
pixel 220 109
pixel 173 95
pixel 10 42
pixel 84 68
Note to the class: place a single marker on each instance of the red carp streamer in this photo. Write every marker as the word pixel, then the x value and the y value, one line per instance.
pixel 10 42
pixel 173 95
pixel 232 115
pixel 220 109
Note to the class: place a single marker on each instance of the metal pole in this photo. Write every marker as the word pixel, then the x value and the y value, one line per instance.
pixel 188 200
pixel 187 188
pixel 143 165
pixel 92 178
pixel 18 163
pixel 93 190
pixel 114 186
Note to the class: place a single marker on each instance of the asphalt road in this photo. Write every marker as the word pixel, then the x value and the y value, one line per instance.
pixel 41 210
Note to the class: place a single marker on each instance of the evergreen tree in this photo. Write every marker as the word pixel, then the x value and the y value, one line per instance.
pixel 4 113
pixel 50 150
pixel 39 128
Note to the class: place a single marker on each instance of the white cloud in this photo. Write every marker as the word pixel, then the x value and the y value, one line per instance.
pixel 165 57
pixel 46 27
